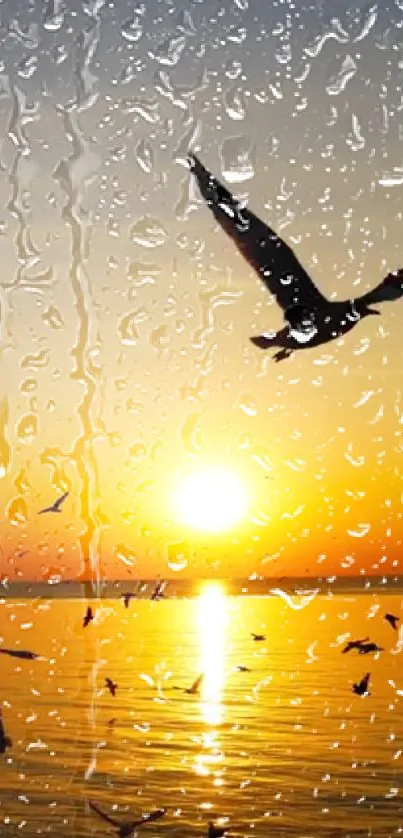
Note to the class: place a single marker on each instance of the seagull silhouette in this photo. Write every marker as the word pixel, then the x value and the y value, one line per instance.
pixel 126 598
pixel 55 506
pixel 16 653
pixel 258 637
pixel 392 620
pixel 5 741
pixel 362 687
pixel 158 591
pixel 353 644
pixel 366 648
pixel 112 687
pixel 88 617
pixel 127 827
pixel 310 318
pixel 242 668
pixel 194 689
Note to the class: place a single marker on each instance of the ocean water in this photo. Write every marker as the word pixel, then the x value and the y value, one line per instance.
pixel 283 749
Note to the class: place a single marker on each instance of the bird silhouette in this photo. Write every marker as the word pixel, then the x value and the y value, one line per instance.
pixel 158 591
pixel 392 620
pixel 55 506
pixel 362 687
pixel 126 598
pixel 112 687
pixel 258 637
pixel 366 648
pixel 16 653
pixel 88 617
pixel 242 668
pixel 5 741
pixel 194 689
pixel 127 827
pixel 353 644
pixel 310 318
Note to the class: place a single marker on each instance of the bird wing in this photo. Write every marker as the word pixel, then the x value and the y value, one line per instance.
pixel 365 680
pixel 46 509
pixel 196 685
pixel 273 260
pixel 391 288
pixel 149 816
pixel 103 814
pixel 59 502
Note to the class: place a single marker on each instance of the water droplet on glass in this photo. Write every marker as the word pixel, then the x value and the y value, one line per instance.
pixel 248 403
pixel 236 162
pixel 54 16
pixel 27 67
pixel 132 29
pixel 148 232
pixel 178 555
pixel 27 427
pixel 233 69
pixel 191 435
pixel 53 318
pixel 339 78
pixel 17 512
pixel 127 329
pixel 125 555
pixel 145 156
pixel 169 51
pixel 234 104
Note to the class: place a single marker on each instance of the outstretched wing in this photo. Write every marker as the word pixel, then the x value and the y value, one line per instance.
pixel 391 288
pixel 103 814
pixel 60 500
pixel 195 687
pixel 263 249
pixel 149 816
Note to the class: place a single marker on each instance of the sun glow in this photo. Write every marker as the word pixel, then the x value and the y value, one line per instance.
pixel 212 500
pixel 212 623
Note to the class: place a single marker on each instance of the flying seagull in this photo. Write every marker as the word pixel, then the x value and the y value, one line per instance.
pixel 112 687
pixel 362 687
pixel 126 598
pixel 88 617
pixel 392 620
pixel 55 506
pixel 127 827
pixel 310 318
pixel 366 648
pixel 158 591
pixel 258 637
pixel 17 653
pixel 5 741
pixel 242 668
pixel 354 644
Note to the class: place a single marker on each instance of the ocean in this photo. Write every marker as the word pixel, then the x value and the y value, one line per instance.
pixel 283 748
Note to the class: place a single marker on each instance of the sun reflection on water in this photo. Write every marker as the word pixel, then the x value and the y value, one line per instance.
pixel 212 624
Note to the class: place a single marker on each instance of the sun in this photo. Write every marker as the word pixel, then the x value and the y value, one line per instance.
pixel 212 500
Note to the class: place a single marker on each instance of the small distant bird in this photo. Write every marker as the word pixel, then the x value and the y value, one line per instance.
pixel 216 831
pixel 158 591
pixel 88 617
pixel 366 648
pixel 392 620
pixel 362 687
pixel 258 637
pixel 16 653
pixel 241 668
pixel 354 644
pixel 194 689
pixel 310 318
pixel 55 506
pixel 112 687
pixel 5 741
pixel 126 598
pixel 127 827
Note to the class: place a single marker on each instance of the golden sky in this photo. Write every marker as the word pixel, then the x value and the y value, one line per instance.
pixel 125 314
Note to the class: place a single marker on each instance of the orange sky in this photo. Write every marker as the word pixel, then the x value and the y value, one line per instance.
pixel 125 314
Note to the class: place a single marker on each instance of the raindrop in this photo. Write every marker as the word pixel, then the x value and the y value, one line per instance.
pixel 169 51
pixel 53 318
pixel 338 79
pixel 17 512
pixel 233 69
pixel 145 156
pixel 148 232
pixel 234 105
pixel 27 427
pixel 178 555
pixel 127 329
pixel 191 435
pixel 132 29
pixel 5 449
pixel 248 403
pixel 54 16
pixel 236 162
pixel 125 555
pixel 28 66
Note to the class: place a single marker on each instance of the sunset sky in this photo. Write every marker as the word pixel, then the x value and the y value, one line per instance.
pixel 125 313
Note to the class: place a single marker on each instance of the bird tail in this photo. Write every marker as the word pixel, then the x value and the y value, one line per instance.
pixel 264 341
pixel 391 288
